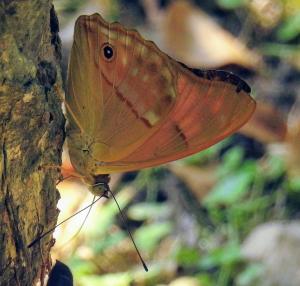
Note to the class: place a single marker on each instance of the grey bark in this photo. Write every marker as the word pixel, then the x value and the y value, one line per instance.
pixel 31 136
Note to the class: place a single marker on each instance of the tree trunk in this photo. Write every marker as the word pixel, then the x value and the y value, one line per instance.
pixel 31 136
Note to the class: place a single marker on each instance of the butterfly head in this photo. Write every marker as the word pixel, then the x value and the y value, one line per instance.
pixel 98 185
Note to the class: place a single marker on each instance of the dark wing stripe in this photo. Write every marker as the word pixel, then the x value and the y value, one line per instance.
pixel 181 134
pixel 128 103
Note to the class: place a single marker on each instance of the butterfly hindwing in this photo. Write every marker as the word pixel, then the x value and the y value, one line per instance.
pixel 207 110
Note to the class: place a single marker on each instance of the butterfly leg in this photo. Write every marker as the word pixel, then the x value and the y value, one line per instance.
pixel 70 174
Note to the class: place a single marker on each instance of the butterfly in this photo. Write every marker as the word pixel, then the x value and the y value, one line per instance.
pixel 131 106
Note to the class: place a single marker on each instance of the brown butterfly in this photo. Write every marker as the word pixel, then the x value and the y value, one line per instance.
pixel 131 106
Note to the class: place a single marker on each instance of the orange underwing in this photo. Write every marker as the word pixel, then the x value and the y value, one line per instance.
pixel 131 106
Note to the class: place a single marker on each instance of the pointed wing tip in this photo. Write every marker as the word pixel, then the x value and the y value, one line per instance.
pixel 82 19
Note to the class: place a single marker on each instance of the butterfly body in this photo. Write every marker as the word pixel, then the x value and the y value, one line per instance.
pixel 131 106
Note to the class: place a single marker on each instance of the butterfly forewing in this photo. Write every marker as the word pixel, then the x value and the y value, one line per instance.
pixel 128 97
pixel 135 107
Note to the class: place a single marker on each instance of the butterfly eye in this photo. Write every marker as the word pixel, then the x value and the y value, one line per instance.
pixel 108 52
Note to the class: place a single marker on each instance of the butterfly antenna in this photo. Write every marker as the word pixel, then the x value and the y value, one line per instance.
pixel 125 223
pixel 52 229
pixel 82 224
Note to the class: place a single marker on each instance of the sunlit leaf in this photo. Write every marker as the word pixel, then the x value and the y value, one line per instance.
pixel 108 212
pixel 144 211
pixel 206 155
pixel 275 167
pixel 107 241
pixel 205 279
pixel 222 256
pixel 81 267
pixel 187 256
pixel 148 236
pixel 232 159
pixel 231 188
pixel 193 37
pixel 294 184
pixel 231 4
pixel 290 29
pixel 250 275
pixel 267 13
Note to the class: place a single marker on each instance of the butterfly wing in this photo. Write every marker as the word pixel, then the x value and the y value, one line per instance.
pixel 139 108
pixel 118 103
pixel 210 107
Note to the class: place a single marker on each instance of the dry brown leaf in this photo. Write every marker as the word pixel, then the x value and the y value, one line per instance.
pixel 267 124
pixel 267 13
pixel 199 180
pixel 193 37
pixel 293 142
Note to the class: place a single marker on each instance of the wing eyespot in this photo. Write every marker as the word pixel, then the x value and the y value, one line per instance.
pixel 108 52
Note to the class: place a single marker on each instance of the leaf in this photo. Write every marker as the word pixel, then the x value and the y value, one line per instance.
pixel 232 188
pixel 275 167
pixel 105 242
pixel 267 124
pixel 225 255
pixel 267 13
pixel 292 146
pixel 294 184
pixel 149 236
pixel 250 275
pixel 199 180
pixel 144 211
pixel 205 279
pixel 232 159
pixel 231 4
pixel 108 212
pixel 187 256
pixel 193 37
pixel 206 155
pixel 290 29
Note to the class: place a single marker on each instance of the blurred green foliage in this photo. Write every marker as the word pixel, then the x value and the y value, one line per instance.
pixel 290 28
pixel 231 4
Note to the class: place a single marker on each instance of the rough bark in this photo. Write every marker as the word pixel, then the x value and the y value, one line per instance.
pixel 31 136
